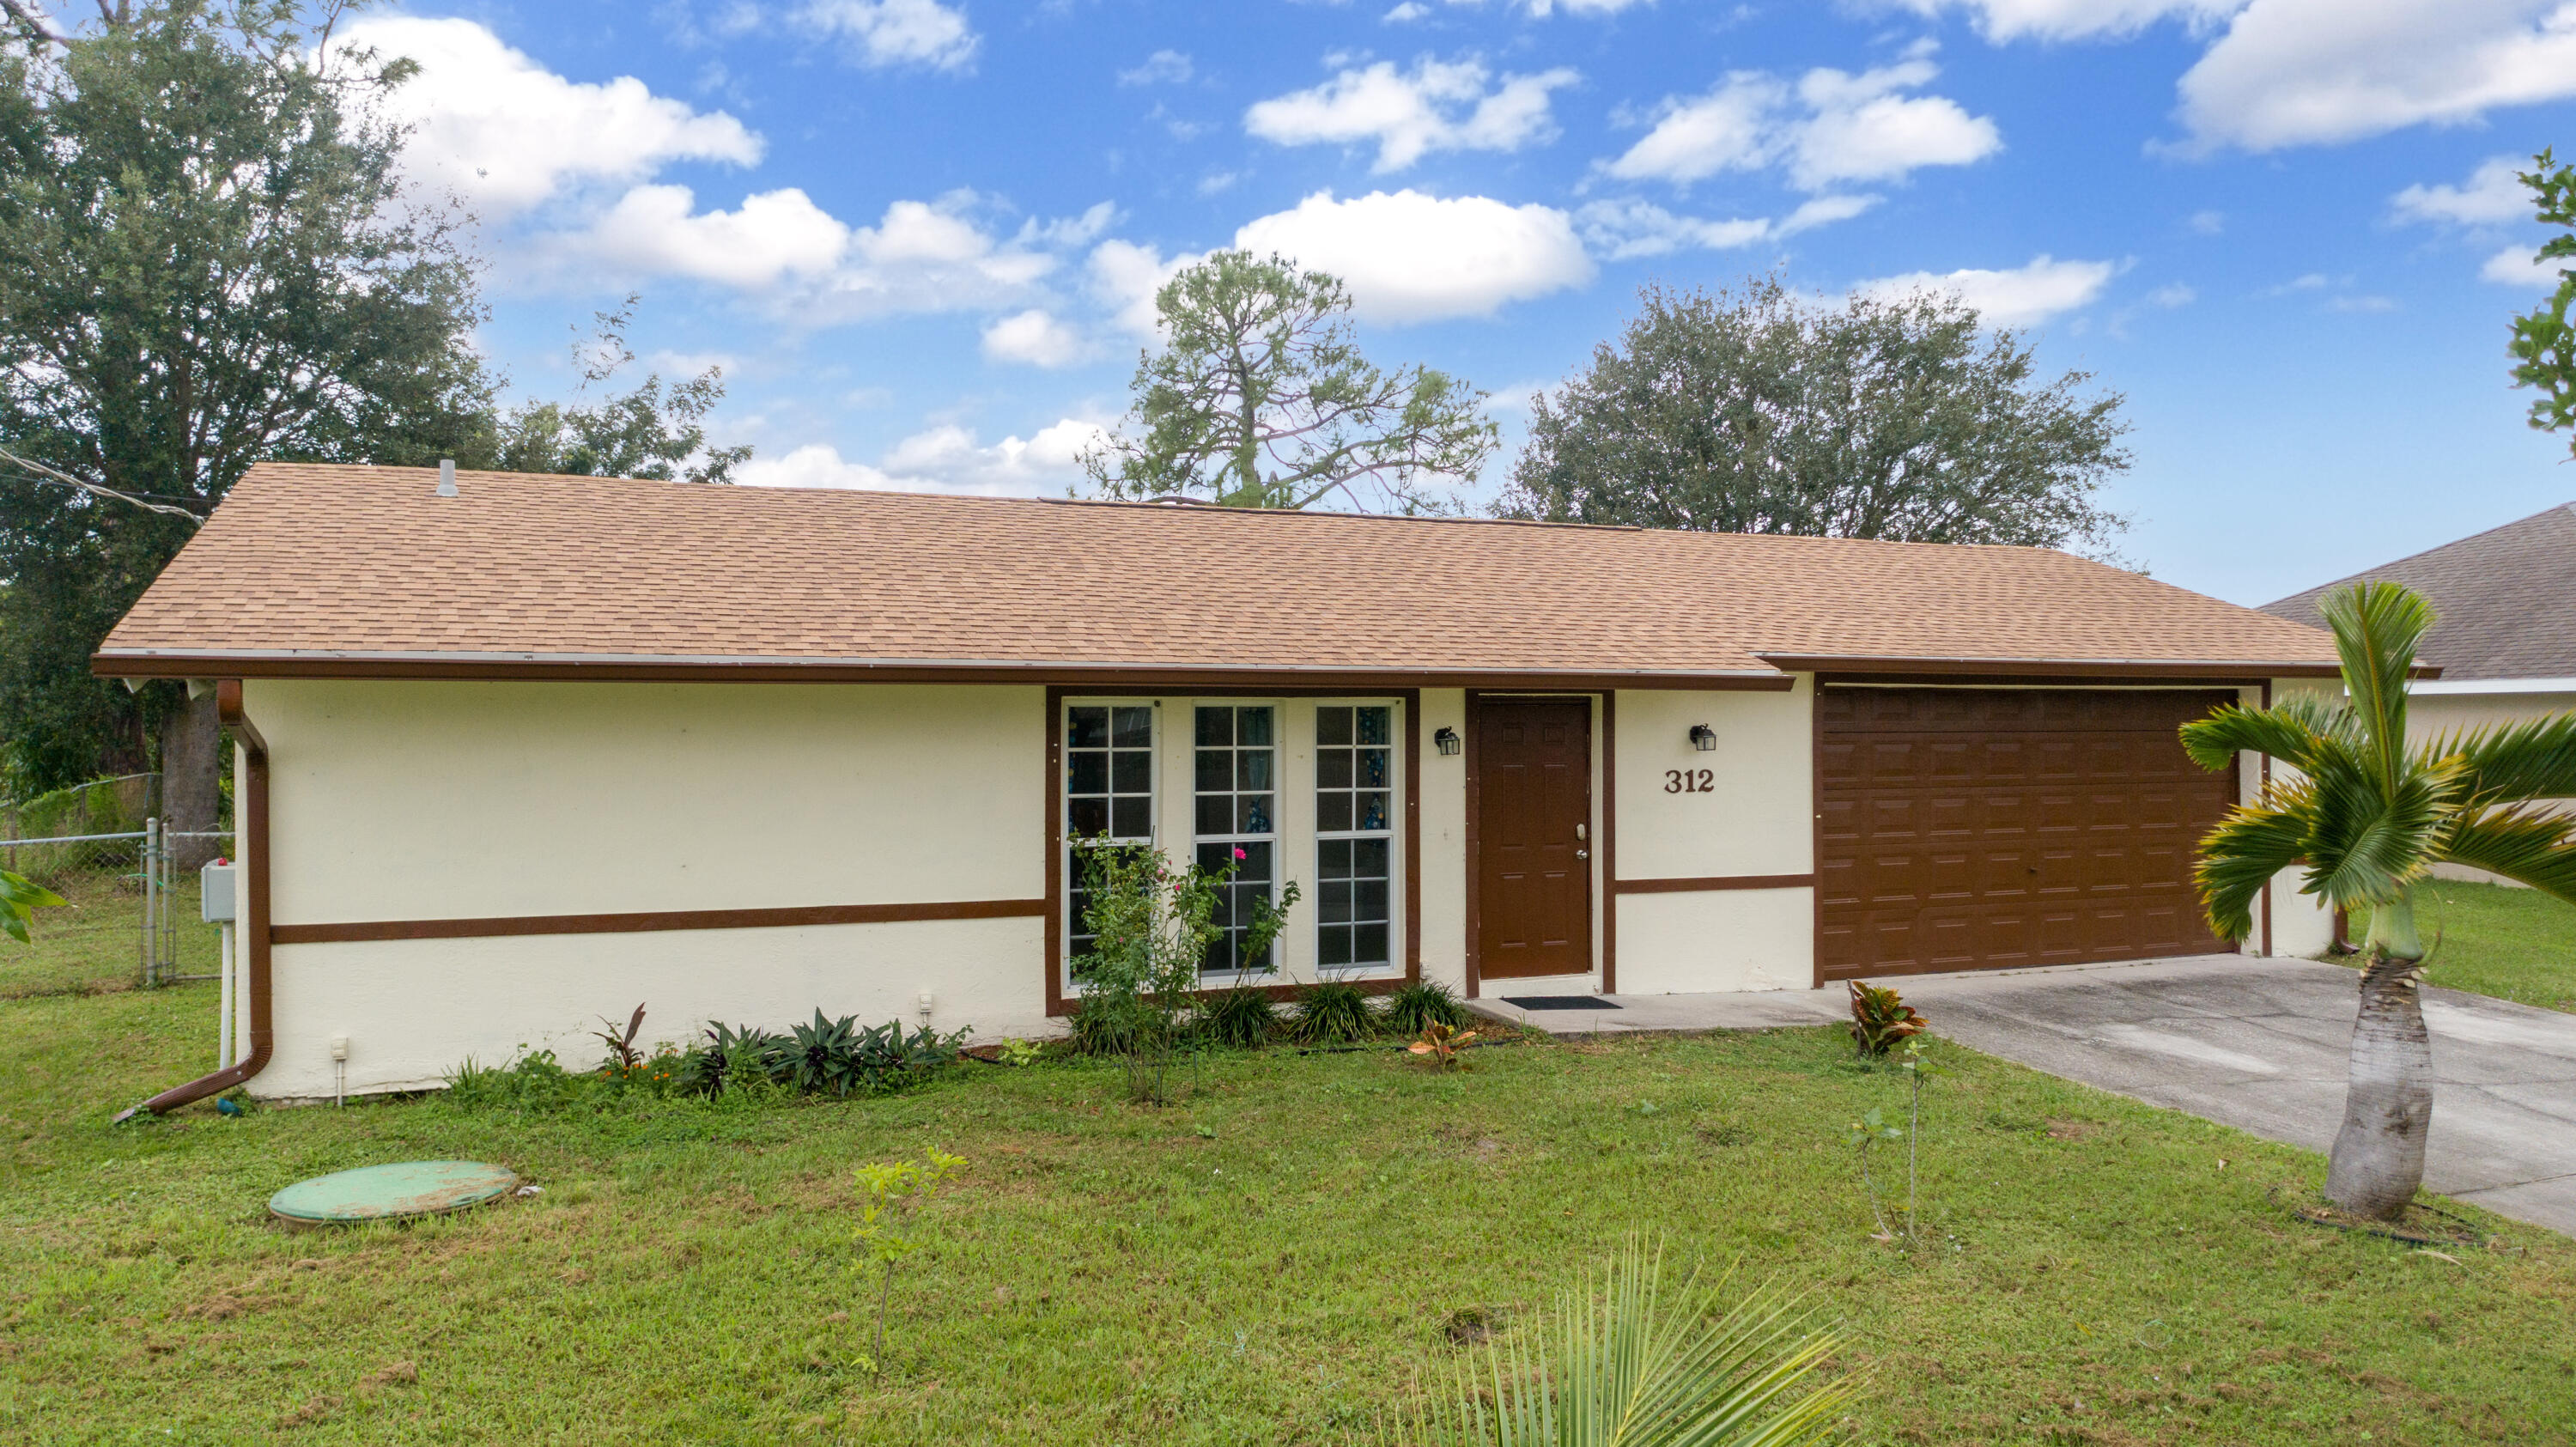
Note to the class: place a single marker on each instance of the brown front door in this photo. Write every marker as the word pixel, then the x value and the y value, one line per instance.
pixel 1965 829
pixel 1533 851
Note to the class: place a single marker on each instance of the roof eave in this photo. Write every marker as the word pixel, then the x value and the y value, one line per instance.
pixel 140 663
pixel 2072 668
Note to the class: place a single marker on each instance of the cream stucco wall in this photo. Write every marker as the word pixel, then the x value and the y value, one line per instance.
pixel 1443 788
pixel 1757 817
pixel 408 801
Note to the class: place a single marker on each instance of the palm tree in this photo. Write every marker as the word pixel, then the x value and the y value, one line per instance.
pixel 2368 817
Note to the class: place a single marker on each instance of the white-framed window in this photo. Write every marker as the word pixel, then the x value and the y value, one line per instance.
pixel 1235 822
pixel 1109 795
pixel 1355 814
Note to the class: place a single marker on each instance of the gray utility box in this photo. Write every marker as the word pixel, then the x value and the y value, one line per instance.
pixel 215 893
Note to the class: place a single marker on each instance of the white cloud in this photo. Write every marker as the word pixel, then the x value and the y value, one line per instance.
pixel 881 33
pixel 1406 13
pixel 1440 106
pixel 2018 297
pixel 1620 230
pixel 2522 266
pixel 1862 130
pixel 2493 193
pixel 654 230
pixel 505 134
pixel 2207 223
pixel 944 458
pixel 2172 294
pixel 1832 127
pixel 1408 257
pixel 2305 72
pixel 1543 8
pixel 1125 276
pixel 1724 130
pixel 1033 338
pixel 2002 20
pixel 2362 303
pixel 1161 67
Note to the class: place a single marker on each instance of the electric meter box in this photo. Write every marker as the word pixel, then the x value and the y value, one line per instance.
pixel 215 893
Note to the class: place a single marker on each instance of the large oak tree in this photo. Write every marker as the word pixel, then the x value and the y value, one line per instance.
pixel 1757 411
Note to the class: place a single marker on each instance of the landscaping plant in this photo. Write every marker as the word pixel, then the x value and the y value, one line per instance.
pixel 2365 816
pixel 1880 1019
pixel 1333 1013
pixel 1866 1132
pixel 621 1043
pixel 731 1058
pixel 1440 1045
pixel 1623 1366
pixel 890 1195
pixel 1243 1017
pixel 1152 927
pixel 1422 1004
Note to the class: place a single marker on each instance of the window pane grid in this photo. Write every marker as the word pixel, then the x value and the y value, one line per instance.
pixel 1237 822
pixel 1108 797
pixel 1354 827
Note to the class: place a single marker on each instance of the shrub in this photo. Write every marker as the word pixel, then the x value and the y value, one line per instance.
pixel 1152 927
pixel 1440 1045
pixel 533 1082
pixel 1243 1016
pixel 1880 1019
pixel 1333 1013
pixel 1420 1005
pixel 731 1058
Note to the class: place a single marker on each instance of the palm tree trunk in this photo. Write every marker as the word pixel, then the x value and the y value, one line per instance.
pixel 2378 1160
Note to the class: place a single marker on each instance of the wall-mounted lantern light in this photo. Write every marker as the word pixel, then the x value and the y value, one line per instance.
pixel 1703 738
pixel 1445 740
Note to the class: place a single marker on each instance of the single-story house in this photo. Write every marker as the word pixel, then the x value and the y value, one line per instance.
pixel 519 752
pixel 2504 634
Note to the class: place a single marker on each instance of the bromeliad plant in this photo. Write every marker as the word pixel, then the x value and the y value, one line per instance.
pixel 2365 815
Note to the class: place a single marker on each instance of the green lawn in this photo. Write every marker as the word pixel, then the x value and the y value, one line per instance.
pixel 1270 1260
pixel 2515 944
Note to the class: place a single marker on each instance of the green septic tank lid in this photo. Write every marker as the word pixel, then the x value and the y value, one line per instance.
pixel 383 1193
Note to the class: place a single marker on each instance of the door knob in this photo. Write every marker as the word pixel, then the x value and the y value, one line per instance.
pixel 1583 854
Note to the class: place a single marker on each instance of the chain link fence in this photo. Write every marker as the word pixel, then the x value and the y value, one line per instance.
pixel 131 893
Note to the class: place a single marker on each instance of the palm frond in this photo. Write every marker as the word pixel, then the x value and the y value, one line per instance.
pixel 2377 628
pixel 2368 846
pixel 2510 763
pixel 1628 1368
pixel 2251 845
pixel 2286 733
pixel 2519 842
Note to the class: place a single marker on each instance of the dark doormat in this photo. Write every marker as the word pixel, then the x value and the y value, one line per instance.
pixel 1559 1002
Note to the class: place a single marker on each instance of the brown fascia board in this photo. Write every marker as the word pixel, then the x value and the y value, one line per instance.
pixel 2073 668
pixel 264 663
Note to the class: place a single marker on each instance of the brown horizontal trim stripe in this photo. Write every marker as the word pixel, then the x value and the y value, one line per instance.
pixel 648 922
pixel 787 670
pixel 1707 883
pixel 2246 670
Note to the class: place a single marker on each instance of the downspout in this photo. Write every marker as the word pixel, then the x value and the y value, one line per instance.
pixel 2272 886
pixel 252 801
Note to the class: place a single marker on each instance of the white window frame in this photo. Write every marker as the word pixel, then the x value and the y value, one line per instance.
pixel 1277 838
pixel 1399 785
pixel 1070 849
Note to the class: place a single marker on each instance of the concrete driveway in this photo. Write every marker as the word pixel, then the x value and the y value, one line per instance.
pixel 2256 1044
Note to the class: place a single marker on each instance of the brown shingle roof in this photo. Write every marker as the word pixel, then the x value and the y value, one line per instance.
pixel 306 564
pixel 2505 599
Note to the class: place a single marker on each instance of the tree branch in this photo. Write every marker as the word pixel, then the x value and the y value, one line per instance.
pixel 59 478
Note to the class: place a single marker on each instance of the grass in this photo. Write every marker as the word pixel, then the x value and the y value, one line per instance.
pixel 2514 944
pixel 93 943
pixel 1272 1259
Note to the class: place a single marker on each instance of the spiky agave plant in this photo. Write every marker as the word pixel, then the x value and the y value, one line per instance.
pixel 2366 816
pixel 1623 1366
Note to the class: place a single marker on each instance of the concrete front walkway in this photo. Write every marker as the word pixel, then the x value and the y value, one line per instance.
pixel 2256 1044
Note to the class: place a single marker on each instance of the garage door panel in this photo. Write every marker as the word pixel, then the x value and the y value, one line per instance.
pixel 1967 828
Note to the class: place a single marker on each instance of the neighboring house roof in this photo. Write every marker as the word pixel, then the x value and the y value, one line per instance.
pixel 309 569
pixel 2504 600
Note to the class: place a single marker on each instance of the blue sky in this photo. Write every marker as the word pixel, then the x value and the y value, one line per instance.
pixel 921 235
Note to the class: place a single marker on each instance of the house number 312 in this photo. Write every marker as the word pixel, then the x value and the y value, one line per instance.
pixel 1689 781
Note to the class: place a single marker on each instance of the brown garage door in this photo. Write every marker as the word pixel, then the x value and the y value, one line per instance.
pixel 1963 829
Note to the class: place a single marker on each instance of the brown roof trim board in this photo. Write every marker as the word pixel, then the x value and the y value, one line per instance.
pixel 2059 670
